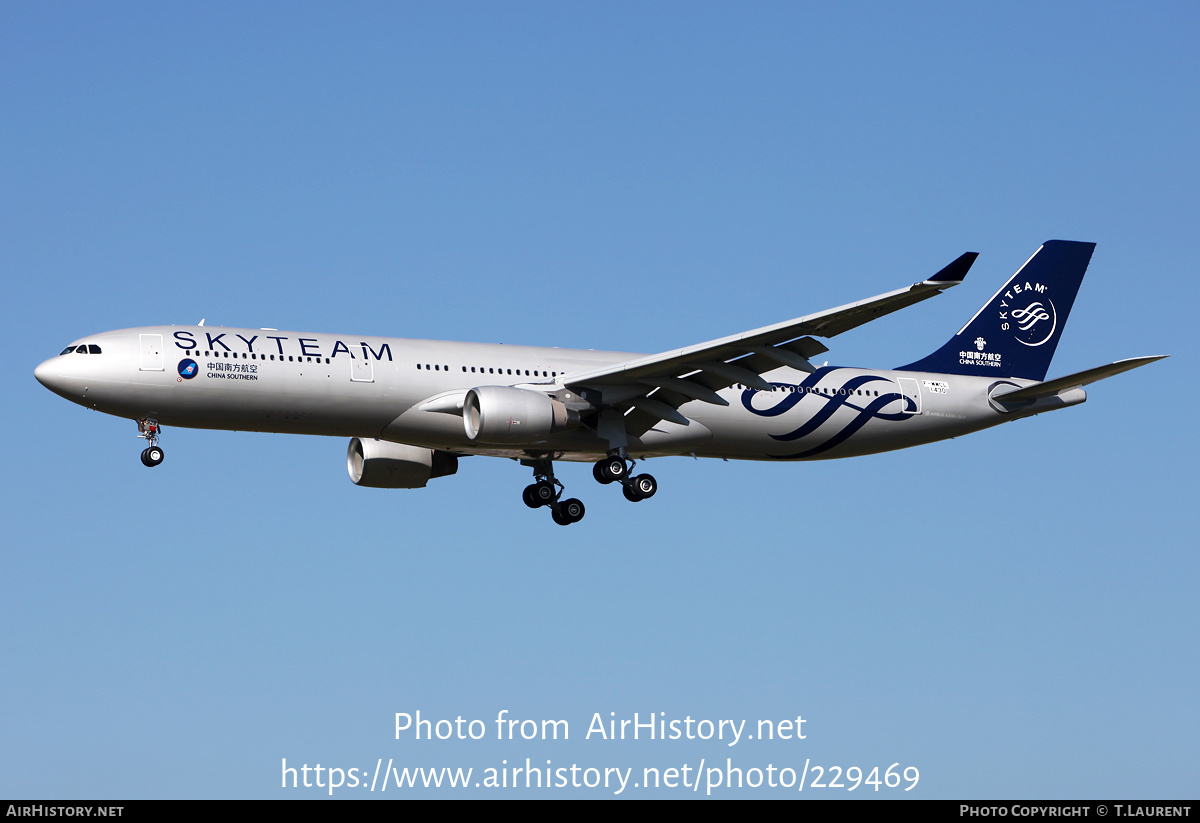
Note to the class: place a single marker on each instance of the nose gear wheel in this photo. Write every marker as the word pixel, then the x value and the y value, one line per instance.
pixel 148 430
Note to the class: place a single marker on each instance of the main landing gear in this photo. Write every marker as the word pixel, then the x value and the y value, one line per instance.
pixel 546 491
pixel 616 469
pixel 148 430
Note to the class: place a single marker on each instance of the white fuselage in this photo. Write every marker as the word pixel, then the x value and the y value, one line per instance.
pixel 374 387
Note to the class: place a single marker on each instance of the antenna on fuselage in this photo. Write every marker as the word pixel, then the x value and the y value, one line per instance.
pixel 201 323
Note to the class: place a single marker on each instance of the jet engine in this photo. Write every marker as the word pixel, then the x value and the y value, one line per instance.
pixel 380 464
pixel 511 416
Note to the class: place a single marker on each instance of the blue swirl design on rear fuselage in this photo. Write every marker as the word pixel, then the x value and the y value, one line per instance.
pixel 840 398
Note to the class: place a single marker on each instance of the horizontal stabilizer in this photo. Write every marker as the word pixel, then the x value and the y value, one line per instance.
pixel 1073 381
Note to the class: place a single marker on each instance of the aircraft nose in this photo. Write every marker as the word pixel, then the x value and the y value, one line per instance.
pixel 50 374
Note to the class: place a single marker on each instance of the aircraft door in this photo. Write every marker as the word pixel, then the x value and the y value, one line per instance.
pixel 362 371
pixel 910 389
pixel 151 348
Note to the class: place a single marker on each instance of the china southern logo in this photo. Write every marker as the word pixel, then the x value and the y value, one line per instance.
pixel 188 369
pixel 980 343
pixel 1028 313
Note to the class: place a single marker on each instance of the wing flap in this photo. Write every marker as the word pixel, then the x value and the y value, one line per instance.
pixel 687 389
pixel 657 408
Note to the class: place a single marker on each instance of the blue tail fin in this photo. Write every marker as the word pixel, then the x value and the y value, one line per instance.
pixel 1016 332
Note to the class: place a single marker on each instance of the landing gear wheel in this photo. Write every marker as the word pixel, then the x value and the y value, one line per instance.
pixel 543 493
pixel 610 469
pixel 630 494
pixel 152 456
pixel 546 491
pixel 572 510
pixel 644 486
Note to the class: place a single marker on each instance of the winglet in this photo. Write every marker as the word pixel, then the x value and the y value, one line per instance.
pixel 956 271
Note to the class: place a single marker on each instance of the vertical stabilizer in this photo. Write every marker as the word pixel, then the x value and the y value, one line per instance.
pixel 1016 332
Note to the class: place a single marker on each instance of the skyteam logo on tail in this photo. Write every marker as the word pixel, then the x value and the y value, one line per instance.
pixel 1016 332
pixel 1034 324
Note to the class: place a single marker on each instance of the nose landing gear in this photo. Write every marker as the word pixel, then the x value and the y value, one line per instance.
pixel 148 430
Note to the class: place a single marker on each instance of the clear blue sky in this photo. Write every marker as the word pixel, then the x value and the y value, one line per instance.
pixel 1013 613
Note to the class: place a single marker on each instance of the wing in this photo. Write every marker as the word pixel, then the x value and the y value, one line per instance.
pixel 652 388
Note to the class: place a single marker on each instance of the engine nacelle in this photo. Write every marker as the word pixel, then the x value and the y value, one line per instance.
pixel 380 464
pixel 511 416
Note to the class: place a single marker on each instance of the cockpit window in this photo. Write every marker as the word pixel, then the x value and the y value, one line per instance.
pixel 93 348
pixel 86 348
pixel 67 350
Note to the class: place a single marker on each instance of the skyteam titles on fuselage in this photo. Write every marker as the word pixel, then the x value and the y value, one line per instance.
pixel 302 346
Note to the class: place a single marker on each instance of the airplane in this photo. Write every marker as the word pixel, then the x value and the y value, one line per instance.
pixel 412 408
